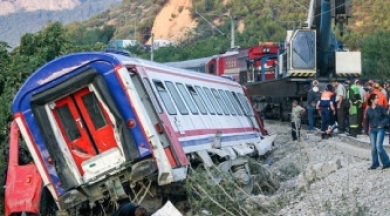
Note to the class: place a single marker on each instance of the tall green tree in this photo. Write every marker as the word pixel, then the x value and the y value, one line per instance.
pixel 376 56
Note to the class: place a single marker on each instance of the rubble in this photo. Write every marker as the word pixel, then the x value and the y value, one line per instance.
pixel 337 179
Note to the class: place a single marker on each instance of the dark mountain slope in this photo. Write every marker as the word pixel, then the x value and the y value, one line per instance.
pixel 13 26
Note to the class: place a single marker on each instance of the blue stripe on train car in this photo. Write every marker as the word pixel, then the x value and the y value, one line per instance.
pixel 227 138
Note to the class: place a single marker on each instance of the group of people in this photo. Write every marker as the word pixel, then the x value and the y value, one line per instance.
pixel 352 108
pixel 343 105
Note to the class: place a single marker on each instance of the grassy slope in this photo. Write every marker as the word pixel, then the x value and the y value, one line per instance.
pixel 257 15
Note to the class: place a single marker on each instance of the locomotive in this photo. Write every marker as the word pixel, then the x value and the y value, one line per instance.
pixel 100 127
pixel 252 64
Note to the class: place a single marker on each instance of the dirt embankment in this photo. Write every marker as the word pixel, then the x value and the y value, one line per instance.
pixel 8 7
pixel 173 21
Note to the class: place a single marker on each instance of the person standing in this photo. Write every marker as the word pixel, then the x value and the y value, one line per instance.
pixel 383 90
pixel 296 113
pixel 382 100
pixel 376 118
pixel 313 96
pixel 346 105
pixel 355 102
pixel 386 86
pixel 360 109
pixel 327 110
pixel 340 96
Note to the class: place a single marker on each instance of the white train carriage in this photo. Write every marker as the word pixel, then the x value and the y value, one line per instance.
pixel 97 122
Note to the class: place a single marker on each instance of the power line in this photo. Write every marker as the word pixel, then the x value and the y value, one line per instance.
pixel 212 25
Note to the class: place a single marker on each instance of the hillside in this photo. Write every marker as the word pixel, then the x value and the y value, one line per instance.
pixel 24 16
pixel 174 21
pixel 261 20
pixel 177 20
pixel 9 7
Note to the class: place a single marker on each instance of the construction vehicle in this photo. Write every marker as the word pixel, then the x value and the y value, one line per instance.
pixel 309 53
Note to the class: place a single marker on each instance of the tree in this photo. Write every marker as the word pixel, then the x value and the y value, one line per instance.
pixel 375 55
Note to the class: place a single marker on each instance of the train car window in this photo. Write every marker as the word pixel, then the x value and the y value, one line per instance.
pixel 205 99
pixel 235 102
pixel 166 99
pixel 213 101
pixel 245 103
pixel 220 101
pixel 176 98
pixel 93 108
pixel 197 99
pixel 152 96
pixel 187 98
pixel 68 123
pixel 227 102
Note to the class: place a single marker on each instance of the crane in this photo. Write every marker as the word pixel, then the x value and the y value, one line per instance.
pixel 309 52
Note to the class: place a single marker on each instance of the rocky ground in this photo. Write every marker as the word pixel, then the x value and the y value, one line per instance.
pixel 324 177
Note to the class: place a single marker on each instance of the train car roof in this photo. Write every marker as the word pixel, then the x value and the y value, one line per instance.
pixel 229 53
pixel 190 63
pixel 69 63
pixel 199 61
pixel 181 71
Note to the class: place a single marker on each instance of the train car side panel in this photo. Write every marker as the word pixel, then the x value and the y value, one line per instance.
pixel 23 182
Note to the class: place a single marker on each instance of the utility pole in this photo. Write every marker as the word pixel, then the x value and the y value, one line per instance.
pixel 135 27
pixel 232 46
pixel 152 48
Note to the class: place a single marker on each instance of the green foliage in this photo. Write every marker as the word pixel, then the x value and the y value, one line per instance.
pixel 47 42
pixel 375 55
pixel 219 199
pixel 197 49
pixel 77 34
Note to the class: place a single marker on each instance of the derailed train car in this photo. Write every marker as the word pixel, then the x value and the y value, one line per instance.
pixel 101 126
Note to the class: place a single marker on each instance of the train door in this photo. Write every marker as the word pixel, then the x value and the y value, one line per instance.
pixel 84 124
pixel 23 182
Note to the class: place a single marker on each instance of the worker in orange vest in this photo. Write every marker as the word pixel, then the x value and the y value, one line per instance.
pixel 382 99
